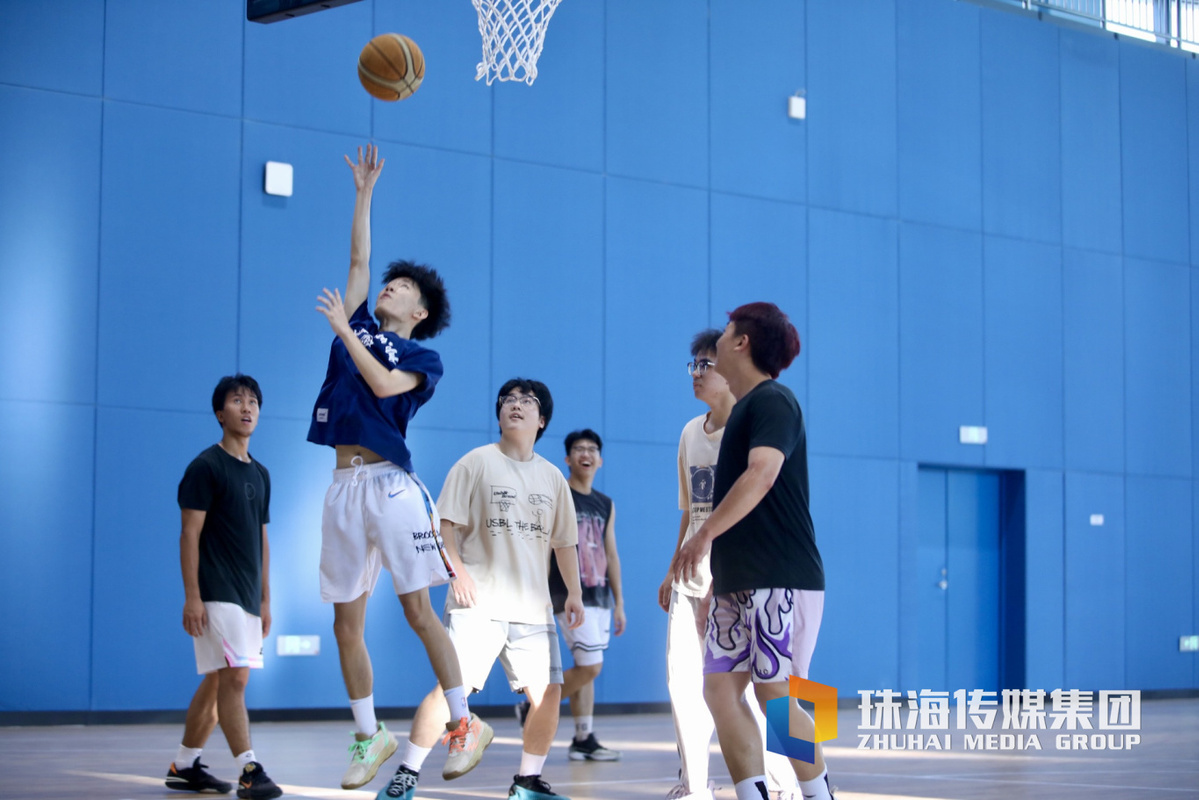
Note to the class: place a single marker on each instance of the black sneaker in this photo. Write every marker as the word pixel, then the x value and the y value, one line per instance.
pixel 532 787
pixel 590 750
pixel 195 779
pixel 255 785
pixel 522 712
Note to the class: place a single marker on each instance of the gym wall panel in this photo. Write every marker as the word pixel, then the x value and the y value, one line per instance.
pixel 176 55
pixel 643 483
pixel 168 257
pixel 656 297
pixel 1024 388
pixel 939 113
pixel 559 122
pixel 54 44
pixel 1093 351
pixel 756 148
pixel 46 546
pixel 1192 104
pixel 1094 582
pixel 1157 335
pixel 49 240
pixel 137 603
pixel 941 360
pixel 1090 114
pixel 1044 593
pixel 548 290
pixel 1021 128
pixel 853 352
pixel 855 511
pixel 305 73
pixel 759 252
pixel 450 110
pixel 851 106
pixel 656 91
pixel 1159 554
pixel 292 248
pixel 1153 128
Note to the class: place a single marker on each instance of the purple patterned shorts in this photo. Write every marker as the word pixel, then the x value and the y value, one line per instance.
pixel 770 633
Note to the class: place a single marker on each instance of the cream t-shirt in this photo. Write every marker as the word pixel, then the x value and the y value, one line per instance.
pixel 698 450
pixel 513 514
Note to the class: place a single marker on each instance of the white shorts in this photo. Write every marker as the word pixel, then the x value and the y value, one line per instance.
pixel 588 642
pixel 233 638
pixel 378 515
pixel 771 630
pixel 528 651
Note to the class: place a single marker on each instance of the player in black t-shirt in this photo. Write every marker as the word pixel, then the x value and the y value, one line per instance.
pixel 224 500
pixel 767 576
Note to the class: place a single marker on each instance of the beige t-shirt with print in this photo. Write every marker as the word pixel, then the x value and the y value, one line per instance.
pixel 697 471
pixel 513 514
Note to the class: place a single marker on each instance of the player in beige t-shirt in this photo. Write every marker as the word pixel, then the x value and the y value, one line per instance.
pixel 504 510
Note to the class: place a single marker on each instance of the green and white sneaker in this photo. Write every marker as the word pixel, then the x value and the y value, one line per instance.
pixel 366 756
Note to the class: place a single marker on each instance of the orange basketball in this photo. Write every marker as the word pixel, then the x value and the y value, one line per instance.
pixel 391 66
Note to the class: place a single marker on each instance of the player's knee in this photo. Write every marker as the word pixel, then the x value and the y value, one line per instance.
pixel 234 679
pixel 591 671
pixel 347 631
pixel 421 617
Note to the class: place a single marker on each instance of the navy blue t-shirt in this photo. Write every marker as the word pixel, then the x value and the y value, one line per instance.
pixel 348 412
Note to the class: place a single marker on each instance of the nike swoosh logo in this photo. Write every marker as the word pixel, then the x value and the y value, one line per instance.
pixel 395 494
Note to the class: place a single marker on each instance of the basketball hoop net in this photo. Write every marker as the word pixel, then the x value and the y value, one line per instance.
pixel 513 34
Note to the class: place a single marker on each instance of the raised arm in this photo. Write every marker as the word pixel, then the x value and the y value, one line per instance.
pixel 384 382
pixel 366 172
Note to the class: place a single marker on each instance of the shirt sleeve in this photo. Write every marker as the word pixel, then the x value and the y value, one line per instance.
pixel 774 423
pixel 566 522
pixel 421 360
pixel 197 489
pixel 453 504
pixel 684 481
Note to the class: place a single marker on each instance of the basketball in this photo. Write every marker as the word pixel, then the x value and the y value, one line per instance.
pixel 391 66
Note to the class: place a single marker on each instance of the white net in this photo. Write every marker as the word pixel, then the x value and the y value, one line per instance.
pixel 513 34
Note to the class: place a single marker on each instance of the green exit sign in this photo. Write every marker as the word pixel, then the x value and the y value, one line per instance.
pixel 1188 644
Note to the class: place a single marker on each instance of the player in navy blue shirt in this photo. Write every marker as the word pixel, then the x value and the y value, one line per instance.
pixel 377 512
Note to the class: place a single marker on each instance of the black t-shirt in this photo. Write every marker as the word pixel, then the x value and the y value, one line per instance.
pixel 236 497
pixel 592 511
pixel 774 545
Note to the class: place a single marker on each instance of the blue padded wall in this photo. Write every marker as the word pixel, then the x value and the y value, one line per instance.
pixel 50 163
pixel 940 113
pixel 1095 587
pixel 1021 128
pixel 984 220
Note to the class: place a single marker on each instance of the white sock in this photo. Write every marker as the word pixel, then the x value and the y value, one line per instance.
pixel 817 788
pixel 364 715
pixel 244 758
pixel 531 764
pixel 752 788
pixel 583 727
pixel 186 756
pixel 456 698
pixel 415 755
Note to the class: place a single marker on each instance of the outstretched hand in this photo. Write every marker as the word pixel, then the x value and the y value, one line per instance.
pixel 367 170
pixel 335 311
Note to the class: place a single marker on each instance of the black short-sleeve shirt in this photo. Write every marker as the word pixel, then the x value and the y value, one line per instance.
pixel 592 512
pixel 774 545
pixel 236 497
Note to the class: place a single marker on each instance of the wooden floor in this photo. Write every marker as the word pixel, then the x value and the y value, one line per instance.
pixel 123 762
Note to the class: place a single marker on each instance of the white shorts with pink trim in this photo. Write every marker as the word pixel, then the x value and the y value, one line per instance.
pixel 233 638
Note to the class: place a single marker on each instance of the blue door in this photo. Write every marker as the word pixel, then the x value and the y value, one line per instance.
pixel 958 580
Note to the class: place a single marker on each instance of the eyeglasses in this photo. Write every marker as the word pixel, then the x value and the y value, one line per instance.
pixel 584 449
pixel 699 366
pixel 525 400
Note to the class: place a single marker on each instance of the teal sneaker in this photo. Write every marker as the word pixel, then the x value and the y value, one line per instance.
pixel 532 787
pixel 401 787
pixel 366 756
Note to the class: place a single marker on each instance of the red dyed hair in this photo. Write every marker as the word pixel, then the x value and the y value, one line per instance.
pixel 773 340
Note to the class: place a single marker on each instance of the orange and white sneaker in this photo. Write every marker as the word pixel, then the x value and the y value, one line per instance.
pixel 467 743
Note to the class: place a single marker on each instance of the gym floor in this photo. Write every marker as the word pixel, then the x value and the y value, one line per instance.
pixel 124 762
